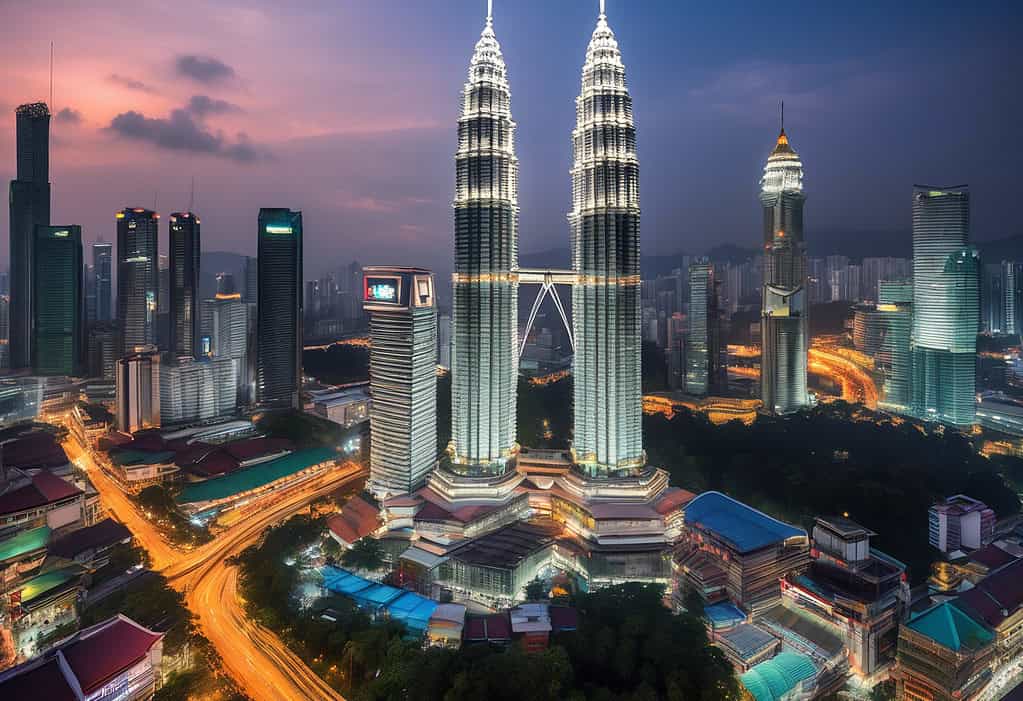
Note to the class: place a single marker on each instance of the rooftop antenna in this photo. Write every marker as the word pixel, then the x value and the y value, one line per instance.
pixel 783 115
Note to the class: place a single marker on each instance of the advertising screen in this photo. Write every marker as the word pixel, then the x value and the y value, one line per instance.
pixel 382 289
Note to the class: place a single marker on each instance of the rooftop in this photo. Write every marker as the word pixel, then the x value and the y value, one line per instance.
pixel 36 679
pixel 745 528
pixel 37 449
pixel 48 584
pixel 507 546
pixel 254 477
pixel 25 542
pixel 747 641
pixel 104 534
pixel 947 625
pixel 45 488
pixel 997 596
pixel 771 680
pixel 991 557
pixel 98 654
pixel 844 526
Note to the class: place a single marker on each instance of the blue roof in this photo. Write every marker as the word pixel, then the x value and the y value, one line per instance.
pixel 947 625
pixel 724 614
pixel 745 528
pixel 408 607
pixel 771 680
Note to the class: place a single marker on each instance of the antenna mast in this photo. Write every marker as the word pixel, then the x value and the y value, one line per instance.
pixel 51 76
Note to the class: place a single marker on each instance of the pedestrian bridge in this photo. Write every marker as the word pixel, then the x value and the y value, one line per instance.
pixel 548 280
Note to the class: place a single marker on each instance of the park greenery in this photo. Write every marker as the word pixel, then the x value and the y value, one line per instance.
pixel 337 365
pixel 159 506
pixel 365 554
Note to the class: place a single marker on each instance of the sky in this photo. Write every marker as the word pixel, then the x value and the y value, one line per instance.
pixel 347 109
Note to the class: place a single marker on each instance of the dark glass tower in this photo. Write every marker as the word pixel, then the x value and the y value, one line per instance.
pixel 102 266
pixel 30 208
pixel 137 277
pixel 58 340
pixel 279 315
pixel 184 285
pixel 606 308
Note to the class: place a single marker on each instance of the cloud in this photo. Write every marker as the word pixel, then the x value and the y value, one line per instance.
pixel 69 116
pixel 202 105
pixel 204 69
pixel 180 132
pixel 130 83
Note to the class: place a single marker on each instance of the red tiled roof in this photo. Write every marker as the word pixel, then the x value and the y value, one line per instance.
pixel 147 442
pixel 45 682
pixel 191 454
pixel 997 596
pixel 357 520
pixel 45 488
pixel 97 657
pixel 252 448
pixel 991 557
pixel 53 488
pixel 432 512
pixel 673 499
pixel 494 626
pixel 104 534
pixel 38 449
pixel 216 463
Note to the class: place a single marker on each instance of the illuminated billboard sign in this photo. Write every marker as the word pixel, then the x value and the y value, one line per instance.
pixel 382 289
pixel 275 229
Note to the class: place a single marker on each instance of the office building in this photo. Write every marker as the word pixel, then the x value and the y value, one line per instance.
pixel 960 522
pixel 197 390
pixel 444 341
pixel 103 349
pixel 784 319
pixel 875 270
pixel 251 292
pixel 225 334
pixel 102 267
pixel 895 358
pixel 279 308
pixel 184 284
pixel 703 339
pixel 606 297
pixel 58 324
pixel 946 306
pixel 29 208
pixel 484 362
pixel 138 390
pixel 403 378
pixel 137 277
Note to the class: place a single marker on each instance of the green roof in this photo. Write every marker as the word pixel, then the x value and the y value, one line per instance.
pixel 24 542
pixel 948 625
pixel 45 583
pixel 771 680
pixel 254 477
pixel 140 457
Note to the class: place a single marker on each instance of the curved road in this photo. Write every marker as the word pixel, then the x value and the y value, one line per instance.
pixel 262 666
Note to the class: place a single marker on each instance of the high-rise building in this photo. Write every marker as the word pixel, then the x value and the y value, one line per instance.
pixel 484 362
pixel 104 348
pixel 102 262
pixel 895 359
pixel 606 298
pixel 403 378
pixel 946 306
pixel 251 292
pixel 89 286
pixel 785 321
pixel 30 208
pixel 58 324
pixel 197 390
pixel 138 390
pixel 703 337
pixel 279 323
pixel 226 286
pixel 444 341
pixel 225 322
pixel 1012 297
pixel 184 284
pixel 137 276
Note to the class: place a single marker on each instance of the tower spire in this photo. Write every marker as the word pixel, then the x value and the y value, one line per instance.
pixel 602 8
pixel 783 116
pixel 490 12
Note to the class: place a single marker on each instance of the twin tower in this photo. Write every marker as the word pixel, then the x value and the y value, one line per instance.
pixel 606 304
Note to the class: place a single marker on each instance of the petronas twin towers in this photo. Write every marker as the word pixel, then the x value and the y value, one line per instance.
pixel 604 223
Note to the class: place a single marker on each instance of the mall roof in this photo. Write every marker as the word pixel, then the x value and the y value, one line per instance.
pixel 992 557
pixel 25 542
pixel 106 533
pixel 44 488
pixel 507 546
pixel 747 640
pixel 947 625
pixel 724 614
pixel 131 457
pixel 254 477
pixel 745 528
pixel 771 680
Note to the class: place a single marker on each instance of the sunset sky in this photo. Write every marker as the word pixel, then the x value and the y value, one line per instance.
pixel 346 110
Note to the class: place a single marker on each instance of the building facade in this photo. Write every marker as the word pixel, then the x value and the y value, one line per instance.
pixel 58 323
pixel 225 323
pixel 279 309
pixel 484 362
pixel 138 280
pixel 138 391
pixel 102 267
pixel 895 359
pixel 606 297
pixel 197 390
pixel 703 341
pixel 184 284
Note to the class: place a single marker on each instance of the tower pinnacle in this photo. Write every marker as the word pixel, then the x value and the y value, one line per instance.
pixel 602 13
pixel 490 12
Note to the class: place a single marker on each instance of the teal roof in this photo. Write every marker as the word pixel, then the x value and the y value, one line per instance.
pixel 949 626
pixel 771 680
pixel 254 477
pixel 24 542
pixel 141 457
pixel 48 582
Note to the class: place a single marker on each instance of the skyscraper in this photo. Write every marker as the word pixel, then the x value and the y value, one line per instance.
pixel 784 309
pixel 58 324
pixel 279 322
pixel 946 306
pixel 251 291
pixel 138 390
pixel 484 363
pixel 895 360
pixel 184 284
pixel 197 390
pixel 403 378
pixel 702 348
pixel 137 277
pixel 225 321
pixel 1012 297
pixel 30 207
pixel 102 258
pixel 606 298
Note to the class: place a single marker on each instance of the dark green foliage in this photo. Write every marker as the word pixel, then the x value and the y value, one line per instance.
pixel 365 554
pixel 158 504
pixel 536 590
pixel 655 368
pixel 337 365
pixel 552 403
pixel 122 558
pixel 303 429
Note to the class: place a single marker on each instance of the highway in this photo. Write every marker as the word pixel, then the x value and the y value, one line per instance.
pixel 262 666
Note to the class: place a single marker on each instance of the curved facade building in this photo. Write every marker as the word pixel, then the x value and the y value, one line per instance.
pixel 784 320
pixel 606 307
pixel 484 359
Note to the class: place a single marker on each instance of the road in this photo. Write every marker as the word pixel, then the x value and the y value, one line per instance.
pixel 262 666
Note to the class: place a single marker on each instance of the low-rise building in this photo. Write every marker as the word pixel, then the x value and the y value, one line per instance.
pixel 40 500
pixel 89 422
pixel 346 407
pixel 91 546
pixel 960 522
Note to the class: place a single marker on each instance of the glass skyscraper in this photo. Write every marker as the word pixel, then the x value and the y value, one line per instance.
pixel 279 308
pixel 606 298
pixel 895 304
pixel 946 306
pixel 702 336
pixel 784 315
pixel 138 281
pixel 58 341
pixel 184 284
pixel 102 266
pixel 30 208
pixel 484 359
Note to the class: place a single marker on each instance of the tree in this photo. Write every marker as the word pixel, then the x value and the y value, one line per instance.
pixel 365 554
pixel 694 603
pixel 536 590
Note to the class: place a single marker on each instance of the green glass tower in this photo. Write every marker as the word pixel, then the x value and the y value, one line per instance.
pixel 57 302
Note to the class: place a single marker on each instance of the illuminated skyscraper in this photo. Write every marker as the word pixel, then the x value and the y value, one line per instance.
pixel 606 306
pixel 184 284
pixel 484 362
pixel 30 207
pixel 102 266
pixel 58 324
pixel 946 306
pixel 138 390
pixel 784 319
pixel 225 323
pixel 403 378
pixel 703 341
pixel 138 282
pixel 279 322
pixel 895 361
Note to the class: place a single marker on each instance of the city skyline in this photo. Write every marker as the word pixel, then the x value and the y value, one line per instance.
pixel 374 169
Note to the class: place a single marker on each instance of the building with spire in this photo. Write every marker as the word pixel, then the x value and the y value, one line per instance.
pixel 606 297
pixel 484 358
pixel 784 310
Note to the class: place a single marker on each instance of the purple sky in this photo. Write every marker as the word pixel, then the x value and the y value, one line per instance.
pixel 346 110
